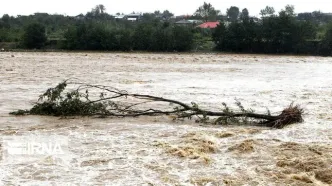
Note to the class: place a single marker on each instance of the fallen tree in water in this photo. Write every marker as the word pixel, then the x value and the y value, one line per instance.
pixel 106 101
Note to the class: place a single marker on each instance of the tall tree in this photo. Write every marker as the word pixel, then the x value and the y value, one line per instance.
pixel 244 15
pixel 167 14
pixel 233 13
pixel 289 10
pixel 219 34
pixel 34 36
pixel 207 12
pixel 99 9
pixel 6 20
pixel 157 12
pixel 267 11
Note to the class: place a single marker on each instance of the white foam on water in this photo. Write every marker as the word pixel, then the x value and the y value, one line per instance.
pixel 122 151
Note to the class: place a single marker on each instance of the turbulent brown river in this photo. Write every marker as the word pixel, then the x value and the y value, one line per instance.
pixel 160 151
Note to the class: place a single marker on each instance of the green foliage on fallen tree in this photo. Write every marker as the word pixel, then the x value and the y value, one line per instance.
pixel 55 103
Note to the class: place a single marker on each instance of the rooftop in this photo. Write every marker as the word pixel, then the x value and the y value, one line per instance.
pixel 209 24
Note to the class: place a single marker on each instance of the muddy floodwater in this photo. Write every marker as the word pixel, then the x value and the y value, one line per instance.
pixel 159 151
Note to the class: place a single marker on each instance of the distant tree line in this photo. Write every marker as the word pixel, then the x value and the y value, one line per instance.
pixel 275 33
pixel 282 32
pixel 144 37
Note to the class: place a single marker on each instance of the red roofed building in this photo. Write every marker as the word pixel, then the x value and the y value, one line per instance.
pixel 209 24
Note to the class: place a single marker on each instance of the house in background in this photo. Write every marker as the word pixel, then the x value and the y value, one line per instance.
pixel 194 21
pixel 130 17
pixel 188 22
pixel 183 23
pixel 209 24
pixel 182 17
pixel 134 17
pixel 121 16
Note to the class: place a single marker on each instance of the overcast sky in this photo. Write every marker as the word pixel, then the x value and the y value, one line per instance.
pixel 178 7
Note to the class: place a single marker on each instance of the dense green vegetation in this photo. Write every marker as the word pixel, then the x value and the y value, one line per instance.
pixel 282 32
pixel 144 37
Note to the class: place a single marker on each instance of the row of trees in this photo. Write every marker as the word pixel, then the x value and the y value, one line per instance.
pixel 281 33
pixel 208 13
pixel 144 37
pixel 285 32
